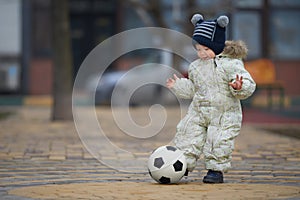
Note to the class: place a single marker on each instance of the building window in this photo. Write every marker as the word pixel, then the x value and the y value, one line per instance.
pixel 247 27
pixel 10 23
pixel 248 3
pixel 41 24
pixel 284 34
pixel 285 3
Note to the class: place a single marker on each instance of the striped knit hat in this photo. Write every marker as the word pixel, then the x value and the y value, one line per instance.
pixel 210 33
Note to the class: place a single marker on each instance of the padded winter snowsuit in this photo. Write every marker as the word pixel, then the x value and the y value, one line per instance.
pixel 214 117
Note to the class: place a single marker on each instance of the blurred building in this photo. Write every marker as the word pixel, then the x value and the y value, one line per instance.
pixel 10 45
pixel 269 27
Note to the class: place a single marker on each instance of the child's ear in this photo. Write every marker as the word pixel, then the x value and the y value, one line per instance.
pixel 196 18
pixel 223 21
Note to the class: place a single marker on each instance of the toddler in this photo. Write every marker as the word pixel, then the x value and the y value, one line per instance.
pixel 217 81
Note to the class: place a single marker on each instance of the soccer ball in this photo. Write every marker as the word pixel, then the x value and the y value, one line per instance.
pixel 167 165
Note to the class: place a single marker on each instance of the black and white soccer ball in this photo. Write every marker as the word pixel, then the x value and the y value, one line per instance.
pixel 167 165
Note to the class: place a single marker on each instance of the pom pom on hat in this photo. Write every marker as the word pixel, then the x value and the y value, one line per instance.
pixel 223 21
pixel 196 18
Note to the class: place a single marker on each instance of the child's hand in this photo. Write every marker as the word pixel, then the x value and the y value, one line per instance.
pixel 171 81
pixel 238 83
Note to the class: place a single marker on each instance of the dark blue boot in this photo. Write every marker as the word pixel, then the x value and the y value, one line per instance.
pixel 213 177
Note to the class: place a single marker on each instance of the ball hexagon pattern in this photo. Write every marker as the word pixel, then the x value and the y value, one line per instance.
pixel 167 165
pixel 158 162
pixel 178 166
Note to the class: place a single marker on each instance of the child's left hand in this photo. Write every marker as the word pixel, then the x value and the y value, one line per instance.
pixel 237 83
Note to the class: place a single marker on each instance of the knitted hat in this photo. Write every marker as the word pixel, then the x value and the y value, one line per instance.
pixel 210 33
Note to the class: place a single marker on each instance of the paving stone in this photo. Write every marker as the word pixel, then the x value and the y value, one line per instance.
pixel 57 157
pixel 39 155
pixel 155 191
pixel 293 159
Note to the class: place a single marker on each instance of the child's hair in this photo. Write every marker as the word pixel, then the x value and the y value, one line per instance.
pixel 235 49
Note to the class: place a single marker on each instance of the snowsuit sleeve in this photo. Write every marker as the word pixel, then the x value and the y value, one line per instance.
pixel 184 87
pixel 235 67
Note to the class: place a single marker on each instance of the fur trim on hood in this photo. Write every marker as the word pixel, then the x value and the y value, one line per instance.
pixel 235 49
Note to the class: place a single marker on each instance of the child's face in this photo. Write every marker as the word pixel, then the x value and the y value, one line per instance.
pixel 204 52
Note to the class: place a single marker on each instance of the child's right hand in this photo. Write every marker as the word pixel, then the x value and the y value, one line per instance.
pixel 171 81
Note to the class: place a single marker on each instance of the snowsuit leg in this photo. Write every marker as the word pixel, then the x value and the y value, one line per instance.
pixel 219 145
pixel 190 137
pixel 211 132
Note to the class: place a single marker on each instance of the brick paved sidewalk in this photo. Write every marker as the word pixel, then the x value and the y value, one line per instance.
pixel 44 160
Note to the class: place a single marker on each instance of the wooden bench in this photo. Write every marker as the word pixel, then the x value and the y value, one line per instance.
pixel 264 74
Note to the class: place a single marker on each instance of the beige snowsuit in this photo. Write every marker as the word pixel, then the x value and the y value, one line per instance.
pixel 214 117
